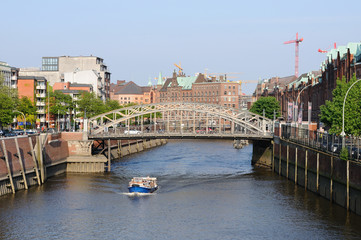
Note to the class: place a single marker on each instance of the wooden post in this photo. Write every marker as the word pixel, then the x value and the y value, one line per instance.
pixel 168 122
pixel 8 167
pixel 279 160
pixel 306 159
pixel 194 122
pixel 39 156
pixel 296 165
pixel 36 168
pixel 288 154
pixel 348 185
pixel 318 173
pixel 109 155
pixel 21 163
pixel 331 181
pixel 207 123
pixel 273 156
pixel 181 122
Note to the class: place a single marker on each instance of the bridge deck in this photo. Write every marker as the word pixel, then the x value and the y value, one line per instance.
pixel 114 136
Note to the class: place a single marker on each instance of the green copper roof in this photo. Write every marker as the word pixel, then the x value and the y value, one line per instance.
pixel 186 82
pixel 160 80
pixel 302 79
pixel 149 82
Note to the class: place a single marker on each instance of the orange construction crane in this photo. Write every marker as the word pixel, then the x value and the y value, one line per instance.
pixel 179 67
pixel 297 42
pixel 325 51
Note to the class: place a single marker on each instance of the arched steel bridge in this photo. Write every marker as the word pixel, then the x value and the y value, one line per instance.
pixel 179 120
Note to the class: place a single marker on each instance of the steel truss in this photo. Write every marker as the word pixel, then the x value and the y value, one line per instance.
pixel 180 117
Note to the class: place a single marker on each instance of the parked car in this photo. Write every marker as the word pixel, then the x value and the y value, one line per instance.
pixel 30 131
pixel 8 133
pixel 18 132
pixel 130 132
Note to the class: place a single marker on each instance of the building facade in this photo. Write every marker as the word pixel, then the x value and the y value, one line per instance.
pixel 310 91
pixel 80 69
pixel 35 88
pixel 9 74
pixel 130 92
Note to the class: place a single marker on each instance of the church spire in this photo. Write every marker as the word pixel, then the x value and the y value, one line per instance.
pixel 160 80
pixel 149 82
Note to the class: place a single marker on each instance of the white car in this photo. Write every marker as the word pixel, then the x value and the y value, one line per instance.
pixel 132 132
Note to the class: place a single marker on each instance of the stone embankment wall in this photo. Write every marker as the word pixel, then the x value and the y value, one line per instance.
pixel 320 172
pixel 30 160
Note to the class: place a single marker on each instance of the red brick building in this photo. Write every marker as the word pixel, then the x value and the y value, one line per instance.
pixel 314 87
pixel 35 88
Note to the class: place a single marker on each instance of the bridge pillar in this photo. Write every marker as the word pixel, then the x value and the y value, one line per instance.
pixel 262 153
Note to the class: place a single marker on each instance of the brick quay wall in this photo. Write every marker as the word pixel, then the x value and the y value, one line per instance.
pixel 320 172
pixel 30 160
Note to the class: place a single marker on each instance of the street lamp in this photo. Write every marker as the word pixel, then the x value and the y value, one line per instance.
pixel 23 117
pixel 343 114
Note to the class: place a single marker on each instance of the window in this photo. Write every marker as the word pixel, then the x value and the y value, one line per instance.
pixel 225 92
pixel 234 87
pixel 229 93
pixel 50 64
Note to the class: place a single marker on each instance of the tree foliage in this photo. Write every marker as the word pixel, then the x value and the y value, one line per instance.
pixel 60 103
pixel 28 108
pixel 8 100
pixel 331 112
pixel 90 104
pixel 112 105
pixel 269 104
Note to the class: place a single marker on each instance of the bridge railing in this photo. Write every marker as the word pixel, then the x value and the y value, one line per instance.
pixel 331 143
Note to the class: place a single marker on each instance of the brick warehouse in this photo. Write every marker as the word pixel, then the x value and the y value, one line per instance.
pixel 316 86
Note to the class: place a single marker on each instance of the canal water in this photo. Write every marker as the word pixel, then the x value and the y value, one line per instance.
pixel 208 190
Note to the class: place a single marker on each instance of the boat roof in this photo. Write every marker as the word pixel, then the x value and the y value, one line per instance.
pixel 145 178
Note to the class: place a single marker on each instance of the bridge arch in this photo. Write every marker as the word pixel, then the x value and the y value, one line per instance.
pixel 193 118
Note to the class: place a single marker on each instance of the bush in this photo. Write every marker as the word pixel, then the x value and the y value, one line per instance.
pixel 344 154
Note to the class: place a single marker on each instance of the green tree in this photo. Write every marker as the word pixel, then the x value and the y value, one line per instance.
pixel 90 104
pixel 112 105
pixel 269 104
pixel 28 108
pixel 6 109
pixel 60 103
pixel 8 99
pixel 331 112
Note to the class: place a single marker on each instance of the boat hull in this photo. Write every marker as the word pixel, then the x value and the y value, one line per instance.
pixel 138 189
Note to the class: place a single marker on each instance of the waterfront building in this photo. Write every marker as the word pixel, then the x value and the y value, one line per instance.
pixel 79 69
pixel 35 88
pixel 314 88
pixel 10 74
pixel 130 92
pixel 199 89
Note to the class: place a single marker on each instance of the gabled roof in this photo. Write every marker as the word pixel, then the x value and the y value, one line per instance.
pixel 130 88
pixel 146 89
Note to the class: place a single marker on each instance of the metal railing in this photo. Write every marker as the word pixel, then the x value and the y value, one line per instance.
pixel 323 141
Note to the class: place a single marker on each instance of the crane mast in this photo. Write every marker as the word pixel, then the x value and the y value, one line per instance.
pixel 297 42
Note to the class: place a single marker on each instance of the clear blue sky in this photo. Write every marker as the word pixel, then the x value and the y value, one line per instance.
pixel 137 39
